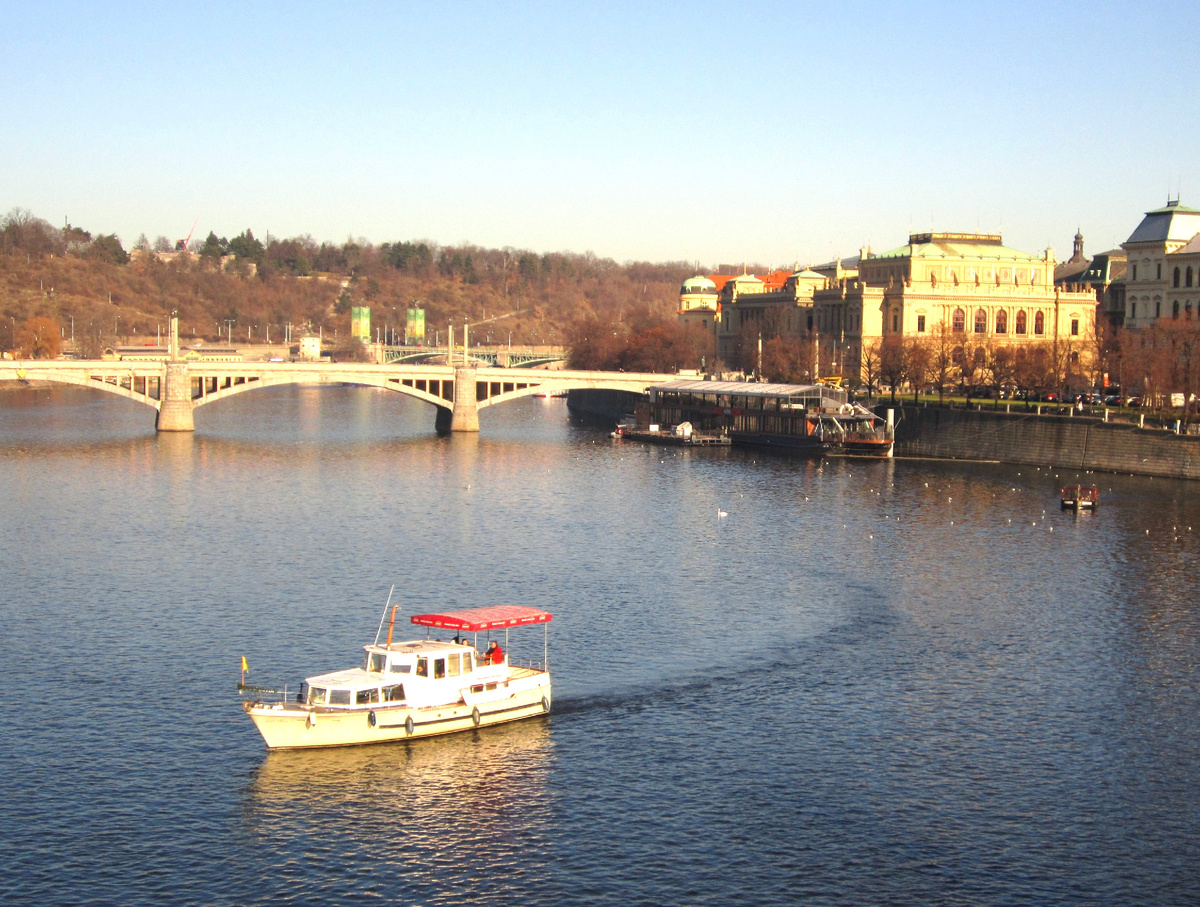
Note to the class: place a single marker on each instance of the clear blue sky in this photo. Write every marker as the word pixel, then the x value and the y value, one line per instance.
pixel 770 132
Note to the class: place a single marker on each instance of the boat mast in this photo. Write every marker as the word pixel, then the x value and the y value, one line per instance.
pixel 391 624
pixel 384 614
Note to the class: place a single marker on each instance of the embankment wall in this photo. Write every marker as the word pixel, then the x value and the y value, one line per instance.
pixel 1074 442
pixel 602 405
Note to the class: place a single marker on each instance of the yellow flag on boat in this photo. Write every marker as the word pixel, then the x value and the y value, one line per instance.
pixel 245 667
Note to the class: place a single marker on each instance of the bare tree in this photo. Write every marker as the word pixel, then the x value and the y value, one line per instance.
pixel 871 364
pixel 40 338
pixel 941 357
pixel 892 365
pixel 917 364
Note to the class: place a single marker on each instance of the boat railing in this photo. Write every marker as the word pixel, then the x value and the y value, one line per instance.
pixel 255 693
pixel 535 664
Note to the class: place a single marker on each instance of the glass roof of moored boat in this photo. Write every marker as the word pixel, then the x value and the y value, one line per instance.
pixel 747 389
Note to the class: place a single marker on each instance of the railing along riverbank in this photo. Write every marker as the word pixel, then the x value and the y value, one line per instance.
pixel 1067 440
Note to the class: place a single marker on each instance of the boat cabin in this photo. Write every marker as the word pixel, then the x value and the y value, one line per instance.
pixel 413 673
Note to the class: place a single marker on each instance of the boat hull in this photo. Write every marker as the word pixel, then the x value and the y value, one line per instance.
pixel 805 444
pixel 296 726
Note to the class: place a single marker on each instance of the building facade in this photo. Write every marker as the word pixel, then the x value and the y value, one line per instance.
pixel 968 285
pixel 1160 253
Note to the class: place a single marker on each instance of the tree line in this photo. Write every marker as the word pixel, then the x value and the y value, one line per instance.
pixel 253 287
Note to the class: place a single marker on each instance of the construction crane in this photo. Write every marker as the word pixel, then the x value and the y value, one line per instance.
pixel 182 244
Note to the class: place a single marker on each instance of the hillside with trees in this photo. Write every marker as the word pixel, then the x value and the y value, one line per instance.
pixel 253 287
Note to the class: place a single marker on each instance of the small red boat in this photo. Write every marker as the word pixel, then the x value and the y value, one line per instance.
pixel 1080 497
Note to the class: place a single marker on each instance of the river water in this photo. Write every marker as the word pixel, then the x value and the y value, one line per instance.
pixel 871 682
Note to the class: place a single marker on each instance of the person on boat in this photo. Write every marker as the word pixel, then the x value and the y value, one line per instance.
pixel 494 654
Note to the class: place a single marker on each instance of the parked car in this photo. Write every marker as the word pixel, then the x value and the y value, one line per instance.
pixel 1112 400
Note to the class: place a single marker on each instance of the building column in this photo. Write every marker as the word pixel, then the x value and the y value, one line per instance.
pixel 465 416
pixel 175 411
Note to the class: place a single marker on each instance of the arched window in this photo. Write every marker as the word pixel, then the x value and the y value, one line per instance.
pixel 960 321
pixel 1175 304
pixel 1175 278
pixel 1039 323
pixel 1022 324
pixel 1187 309
pixel 1188 276
pixel 980 321
pixel 1002 322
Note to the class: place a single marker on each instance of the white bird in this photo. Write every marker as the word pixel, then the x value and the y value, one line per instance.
pixel 722 513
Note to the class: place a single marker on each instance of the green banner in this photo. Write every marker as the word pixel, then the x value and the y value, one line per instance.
pixel 360 323
pixel 414 334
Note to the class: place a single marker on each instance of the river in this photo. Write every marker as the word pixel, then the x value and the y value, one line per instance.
pixel 897 682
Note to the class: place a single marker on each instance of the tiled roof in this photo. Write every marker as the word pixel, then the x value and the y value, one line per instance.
pixel 1192 247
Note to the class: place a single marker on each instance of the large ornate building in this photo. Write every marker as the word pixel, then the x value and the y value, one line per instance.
pixel 971 283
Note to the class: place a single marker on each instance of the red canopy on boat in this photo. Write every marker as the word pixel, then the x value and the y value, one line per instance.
pixel 475 619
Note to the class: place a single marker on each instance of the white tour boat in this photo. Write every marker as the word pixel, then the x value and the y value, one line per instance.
pixel 412 689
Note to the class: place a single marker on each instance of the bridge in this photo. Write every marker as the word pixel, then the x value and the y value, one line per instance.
pixel 174 388
pixel 504 358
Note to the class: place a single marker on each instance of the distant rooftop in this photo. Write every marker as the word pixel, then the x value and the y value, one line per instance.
pixel 1171 223
pixel 957 245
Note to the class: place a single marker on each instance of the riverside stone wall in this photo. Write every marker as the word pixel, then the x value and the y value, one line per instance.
pixel 1064 441
pixel 602 405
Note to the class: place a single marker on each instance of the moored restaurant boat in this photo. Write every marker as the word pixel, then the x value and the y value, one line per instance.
pixel 416 688
pixel 810 418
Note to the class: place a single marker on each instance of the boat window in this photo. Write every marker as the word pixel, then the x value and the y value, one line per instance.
pixel 316 695
pixel 454 664
pixel 394 693
pixel 339 697
pixel 376 662
pixel 466 662
pixel 422 667
pixel 366 697
pixel 439 668
pixel 399 667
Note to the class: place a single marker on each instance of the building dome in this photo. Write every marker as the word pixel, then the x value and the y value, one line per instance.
pixel 698 284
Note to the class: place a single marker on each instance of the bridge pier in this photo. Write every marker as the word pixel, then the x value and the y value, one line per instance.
pixel 466 405
pixel 176 410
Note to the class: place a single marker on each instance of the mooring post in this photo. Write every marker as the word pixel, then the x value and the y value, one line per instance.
pixel 466 408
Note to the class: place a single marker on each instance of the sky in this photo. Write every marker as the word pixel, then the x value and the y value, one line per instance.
pixel 775 133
